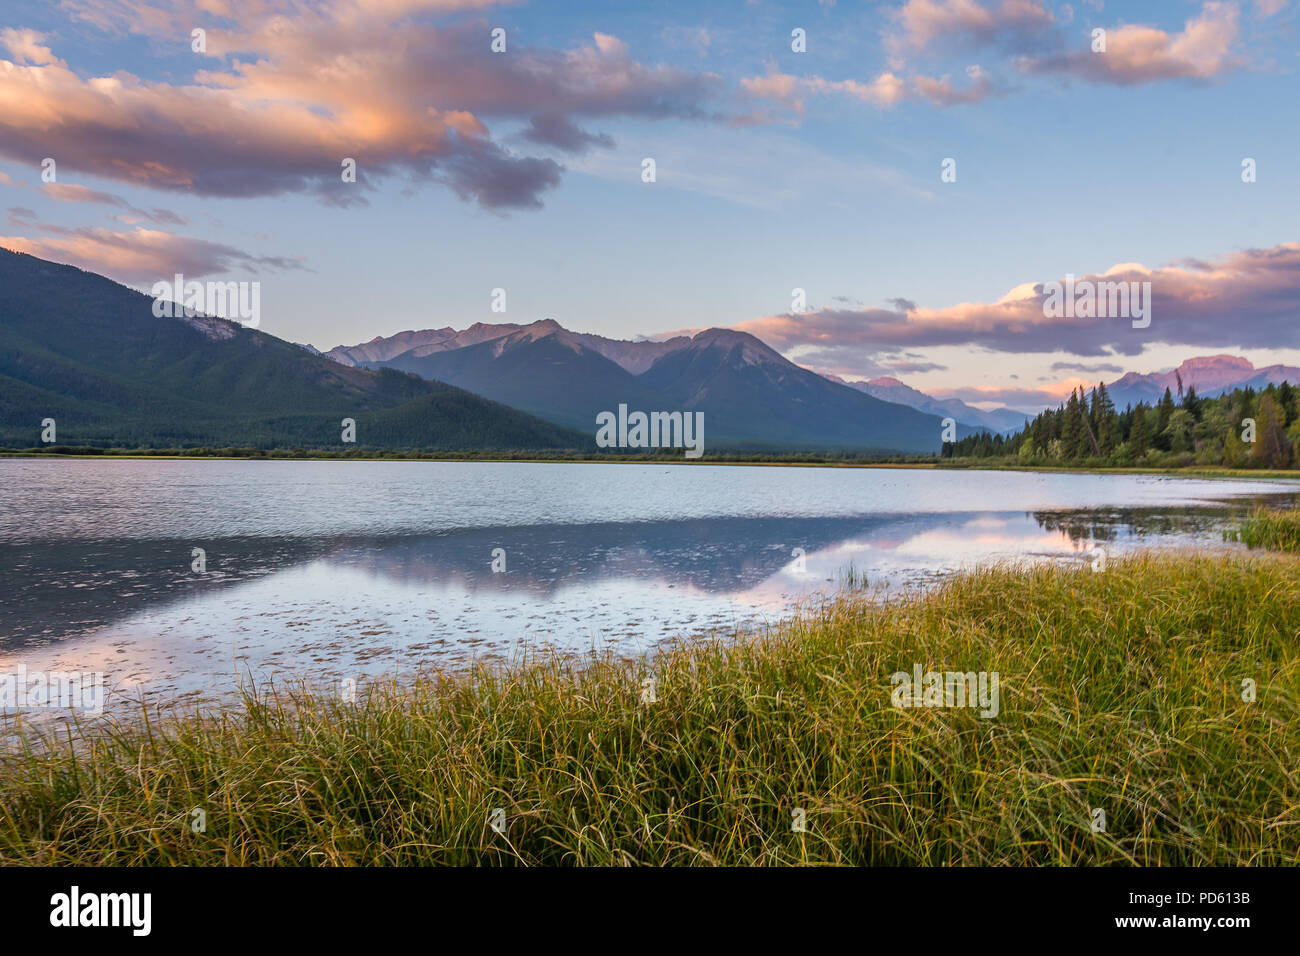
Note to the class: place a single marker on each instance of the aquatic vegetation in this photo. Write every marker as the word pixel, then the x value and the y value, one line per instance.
pixel 1272 529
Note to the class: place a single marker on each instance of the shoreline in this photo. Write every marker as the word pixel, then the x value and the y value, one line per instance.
pixel 174 692
pixel 1189 471
pixel 1120 691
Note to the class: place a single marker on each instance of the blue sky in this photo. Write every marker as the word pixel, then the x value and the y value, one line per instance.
pixel 775 169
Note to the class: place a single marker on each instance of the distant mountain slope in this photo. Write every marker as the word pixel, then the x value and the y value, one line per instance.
pixel 892 390
pixel 382 348
pixel 1263 378
pixel 632 356
pixel 750 390
pixel 89 353
pixel 1209 374
pixel 542 369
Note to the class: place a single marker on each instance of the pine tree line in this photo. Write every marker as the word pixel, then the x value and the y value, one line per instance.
pixel 1244 428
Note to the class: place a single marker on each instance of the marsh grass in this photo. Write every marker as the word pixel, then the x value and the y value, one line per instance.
pixel 851 579
pixel 1272 529
pixel 1120 690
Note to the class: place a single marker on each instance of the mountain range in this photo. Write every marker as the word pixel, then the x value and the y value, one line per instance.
pixel 557 375
pixel 90 354
pixel 1209 375
pixel 634 356
pixel 496 374
pixel 506 382
pixel 751 396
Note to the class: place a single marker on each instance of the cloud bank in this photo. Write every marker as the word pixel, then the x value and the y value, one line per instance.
pixel 285 92
pixel 1246 299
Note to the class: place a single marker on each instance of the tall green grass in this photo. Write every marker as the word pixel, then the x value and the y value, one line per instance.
pixel 1273 529
pixel 1120 691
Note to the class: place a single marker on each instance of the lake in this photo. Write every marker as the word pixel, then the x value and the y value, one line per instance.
pixel 323 571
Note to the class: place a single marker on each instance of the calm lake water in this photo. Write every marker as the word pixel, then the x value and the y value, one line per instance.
pixel 321 571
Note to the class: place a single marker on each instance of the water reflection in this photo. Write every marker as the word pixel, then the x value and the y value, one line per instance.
pixel 1111 524
pixel 54 589
pixel 318 608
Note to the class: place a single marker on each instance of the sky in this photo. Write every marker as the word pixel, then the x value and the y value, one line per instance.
pixel 918 168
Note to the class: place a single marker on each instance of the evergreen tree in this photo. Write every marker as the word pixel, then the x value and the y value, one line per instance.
pixel 1271 442
pixel 1074 440
pixel 1163 411
pixel 1178 433
pixel 1235 451
pixel 1286 398
pixel 1139 436
pixel 1106 426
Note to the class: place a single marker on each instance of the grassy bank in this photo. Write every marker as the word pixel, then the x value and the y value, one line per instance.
pixel 1120 691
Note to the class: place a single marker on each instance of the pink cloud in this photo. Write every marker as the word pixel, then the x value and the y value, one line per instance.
pixel 141 255
pixel 26 46
pixel 967 24
pixel 68 192
pixel 1040 397
pixel 940 92
pixel 887 90
pixel 1142 54
pixel 1134 54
